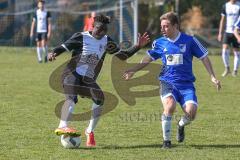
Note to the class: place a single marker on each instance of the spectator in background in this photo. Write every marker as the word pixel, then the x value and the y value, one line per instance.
pixel 42 23
pixel 230 10
pixel 88 21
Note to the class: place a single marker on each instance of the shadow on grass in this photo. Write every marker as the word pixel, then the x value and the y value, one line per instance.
pixel 116 147
pixel 87 148
pixel 223 146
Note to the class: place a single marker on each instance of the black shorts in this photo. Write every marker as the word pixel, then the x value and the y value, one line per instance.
pixel 230 39
pixel 41 36
pixel 74 84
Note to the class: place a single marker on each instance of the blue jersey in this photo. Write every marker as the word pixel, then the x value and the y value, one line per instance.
pixel 176 56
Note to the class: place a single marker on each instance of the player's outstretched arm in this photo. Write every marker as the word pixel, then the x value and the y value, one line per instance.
pixel 143 40
pixel 130 72
pixel 207 63
pixel 56 52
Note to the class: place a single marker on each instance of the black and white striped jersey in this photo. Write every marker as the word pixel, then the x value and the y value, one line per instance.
pixel 88 53
pixel 41 18
pixel 231 12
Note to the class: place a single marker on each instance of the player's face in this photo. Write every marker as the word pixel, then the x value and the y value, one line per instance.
pixel 99 30
pixel 167 29
pixel 40 5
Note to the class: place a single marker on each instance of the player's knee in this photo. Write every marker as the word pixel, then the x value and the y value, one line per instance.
pixel 169 111
pixel 98 97
pixel 74 99
pixel 169 105
pixel 98 102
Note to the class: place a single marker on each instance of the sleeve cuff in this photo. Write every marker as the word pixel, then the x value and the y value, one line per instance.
pixel 154 59
pixel 203 55
pixel 65 47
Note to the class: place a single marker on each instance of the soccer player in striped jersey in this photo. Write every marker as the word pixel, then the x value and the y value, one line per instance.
pixel 176 51
pixel 41 23
pixel 89 49
pixel 230 12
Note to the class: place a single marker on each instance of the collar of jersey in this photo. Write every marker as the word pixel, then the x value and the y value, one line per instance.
pixel 174 40
pixel 90 34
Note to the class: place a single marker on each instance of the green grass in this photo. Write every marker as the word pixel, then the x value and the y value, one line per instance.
pixel 27 117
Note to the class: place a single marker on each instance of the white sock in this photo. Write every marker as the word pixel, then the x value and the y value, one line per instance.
pixel 185 120
pixel 166 127
pixel 225 57
pixel 39 54
pixel 66 112
pixel 96 113
pixel 236 60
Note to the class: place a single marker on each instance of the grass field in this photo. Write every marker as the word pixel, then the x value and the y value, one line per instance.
pixel 27 117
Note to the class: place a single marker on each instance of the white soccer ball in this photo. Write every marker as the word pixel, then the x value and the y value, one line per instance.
pixel 70 142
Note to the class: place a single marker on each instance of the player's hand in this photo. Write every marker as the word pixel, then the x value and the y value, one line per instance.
pixel 143 39
pixel 128 74
pixel 51 56
pixel 238 40
pixel 217 83
pixel 219 37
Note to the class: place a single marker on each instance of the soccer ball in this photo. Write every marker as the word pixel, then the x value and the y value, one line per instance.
pixel 70 142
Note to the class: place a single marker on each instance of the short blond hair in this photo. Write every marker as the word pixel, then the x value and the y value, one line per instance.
pixel 171 16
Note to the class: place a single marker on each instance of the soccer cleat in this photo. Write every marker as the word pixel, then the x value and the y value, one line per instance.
pixel 226 72
pixel 90 139
pixel 180 134
pixel 234 73
pixel 166 144
pixel 67 131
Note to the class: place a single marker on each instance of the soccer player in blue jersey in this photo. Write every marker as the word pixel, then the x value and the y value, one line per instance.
pixel 176 50
pixel 41 23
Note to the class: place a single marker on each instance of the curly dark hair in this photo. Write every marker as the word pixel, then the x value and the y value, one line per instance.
pixel 102 18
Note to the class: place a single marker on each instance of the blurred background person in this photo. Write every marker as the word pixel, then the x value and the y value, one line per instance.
pixel 41 23
pixel 230 10
pixel 88 21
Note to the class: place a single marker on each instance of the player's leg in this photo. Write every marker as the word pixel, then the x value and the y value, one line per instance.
pixel 168 98
pixel 98 100
pixel 226 54
pixel 69 85
pixel 189 107
pixel 44 46
pixel 39 48
pixel 236 56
